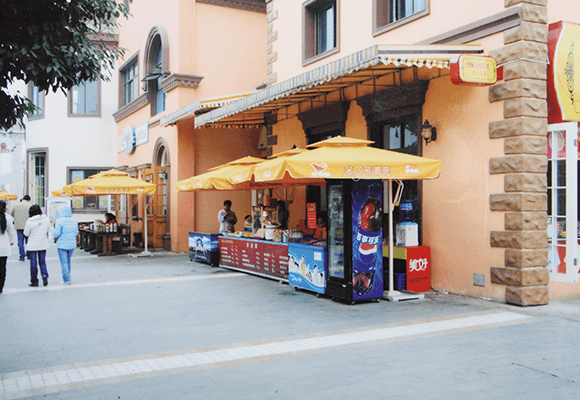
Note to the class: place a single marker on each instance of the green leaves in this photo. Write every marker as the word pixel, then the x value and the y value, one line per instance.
pixel 52 44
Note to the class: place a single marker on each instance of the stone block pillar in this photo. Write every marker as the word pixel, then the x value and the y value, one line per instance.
pixel 272 56
pixel 524 165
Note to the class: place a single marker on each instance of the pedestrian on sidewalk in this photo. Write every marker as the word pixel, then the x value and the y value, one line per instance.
pixel 66 230
pixel 37 229
pixel 20 215
pixel 7 239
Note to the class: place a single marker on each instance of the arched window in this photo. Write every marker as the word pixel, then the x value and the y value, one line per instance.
pixel 157 65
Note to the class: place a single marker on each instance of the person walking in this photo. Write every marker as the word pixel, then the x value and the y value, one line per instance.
pixel 36 229
pixel 66 230
pixel 20 215
pixel 7 239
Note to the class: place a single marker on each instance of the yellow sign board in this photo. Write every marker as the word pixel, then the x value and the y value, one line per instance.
pixel 474 70
pixel 566 70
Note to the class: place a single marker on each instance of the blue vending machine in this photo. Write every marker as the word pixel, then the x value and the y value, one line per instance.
pixel 307 267
pixel 355 240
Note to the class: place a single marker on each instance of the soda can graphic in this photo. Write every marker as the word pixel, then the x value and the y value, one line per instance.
pixel 366 241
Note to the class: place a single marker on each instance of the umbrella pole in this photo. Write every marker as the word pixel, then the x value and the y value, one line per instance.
pixel 392 294
pixel 145 253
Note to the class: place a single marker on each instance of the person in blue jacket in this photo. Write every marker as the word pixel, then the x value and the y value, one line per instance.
pixel 66 230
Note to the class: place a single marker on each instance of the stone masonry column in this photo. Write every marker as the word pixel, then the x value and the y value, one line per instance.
pixel 524 165
pixel 272 56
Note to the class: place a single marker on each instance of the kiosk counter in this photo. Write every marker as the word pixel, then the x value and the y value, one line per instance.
pixel 275 260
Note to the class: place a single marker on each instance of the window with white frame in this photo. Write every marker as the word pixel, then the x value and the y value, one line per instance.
pixel 84 99
pixel 389 14
pixel 37 176
pixel 320 29
pixel 36 96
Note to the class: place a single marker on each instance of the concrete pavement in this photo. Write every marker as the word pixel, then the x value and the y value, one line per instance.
pixel 167 328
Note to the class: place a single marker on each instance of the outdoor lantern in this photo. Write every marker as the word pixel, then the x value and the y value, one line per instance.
pixel 428 132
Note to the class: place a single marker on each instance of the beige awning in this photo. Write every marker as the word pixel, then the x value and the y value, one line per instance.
pixel 191 110
pixel 364 65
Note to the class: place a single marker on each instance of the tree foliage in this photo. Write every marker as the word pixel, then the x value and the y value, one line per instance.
pixel 54 44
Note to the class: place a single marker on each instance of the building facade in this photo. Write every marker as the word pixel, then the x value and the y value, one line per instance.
pixel 69 138
pixel 182 59
pixel 380 70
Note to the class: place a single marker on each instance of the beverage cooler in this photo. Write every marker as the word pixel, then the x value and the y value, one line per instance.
pixel 204 247
pixel 307 268
pixel 355 232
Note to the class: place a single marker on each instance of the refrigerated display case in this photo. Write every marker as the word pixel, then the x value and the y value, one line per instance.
pixel 204 247
pixel 355 252
pixel 307 268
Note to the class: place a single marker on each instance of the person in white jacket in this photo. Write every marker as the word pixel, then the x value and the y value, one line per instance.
pixel 7 239
pixel 37 230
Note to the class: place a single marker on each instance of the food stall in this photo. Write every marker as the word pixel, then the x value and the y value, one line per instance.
pixel 349 264
pixel 100 238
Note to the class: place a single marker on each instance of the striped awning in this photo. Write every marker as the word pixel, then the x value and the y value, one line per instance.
pixel 191 110
pixel 364 65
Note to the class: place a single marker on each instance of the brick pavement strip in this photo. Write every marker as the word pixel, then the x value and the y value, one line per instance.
pixel 19 384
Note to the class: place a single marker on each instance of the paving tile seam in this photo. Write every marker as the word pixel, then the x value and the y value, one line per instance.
pixel 125 282
pixel 48 380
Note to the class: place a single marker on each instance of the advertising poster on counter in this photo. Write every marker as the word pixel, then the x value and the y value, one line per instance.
pixel 201 246
pixel 307 267
pixel 367 239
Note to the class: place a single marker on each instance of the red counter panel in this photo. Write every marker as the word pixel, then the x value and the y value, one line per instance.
pixel 255 256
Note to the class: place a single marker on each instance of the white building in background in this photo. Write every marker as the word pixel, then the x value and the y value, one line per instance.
pixel 71 137
pixel 13 153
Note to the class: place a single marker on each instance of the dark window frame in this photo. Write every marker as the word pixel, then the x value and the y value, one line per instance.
pixel 310 11
pixel 39 98
pixel 156 63
pixel 87 172
pixel 381 15
pixel 70 102
pixel 131 65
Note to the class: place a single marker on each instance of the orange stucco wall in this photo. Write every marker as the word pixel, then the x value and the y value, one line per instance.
pixel 356 29
pixel 456 215
pixel 220 44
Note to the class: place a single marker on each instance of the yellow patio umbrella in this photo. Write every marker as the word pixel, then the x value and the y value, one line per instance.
pixel 114 182
pixel 111 184
pixel 349 158
pixel 65 191
pixel 245 176
pixel 217 177
pixel 5 196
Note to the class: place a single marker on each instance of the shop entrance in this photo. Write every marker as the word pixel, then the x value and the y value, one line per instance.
pixel 401 135
pixel 563 173
pixel 157 206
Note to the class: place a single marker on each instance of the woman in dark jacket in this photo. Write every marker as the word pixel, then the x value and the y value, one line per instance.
pixel 66 230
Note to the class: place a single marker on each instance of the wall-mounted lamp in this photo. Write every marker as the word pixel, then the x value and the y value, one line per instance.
pixel 428 132
pixel 162 174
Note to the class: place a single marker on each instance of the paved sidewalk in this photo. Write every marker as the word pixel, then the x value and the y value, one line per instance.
pixel 167 328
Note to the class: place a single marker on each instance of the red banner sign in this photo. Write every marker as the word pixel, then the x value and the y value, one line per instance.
pixel 311 215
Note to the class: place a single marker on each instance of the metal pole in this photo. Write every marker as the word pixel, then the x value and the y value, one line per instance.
pixel 391 255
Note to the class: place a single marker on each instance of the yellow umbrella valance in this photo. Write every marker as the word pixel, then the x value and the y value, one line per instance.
pixel 349 158
pixel 5 196
pixel 111 185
